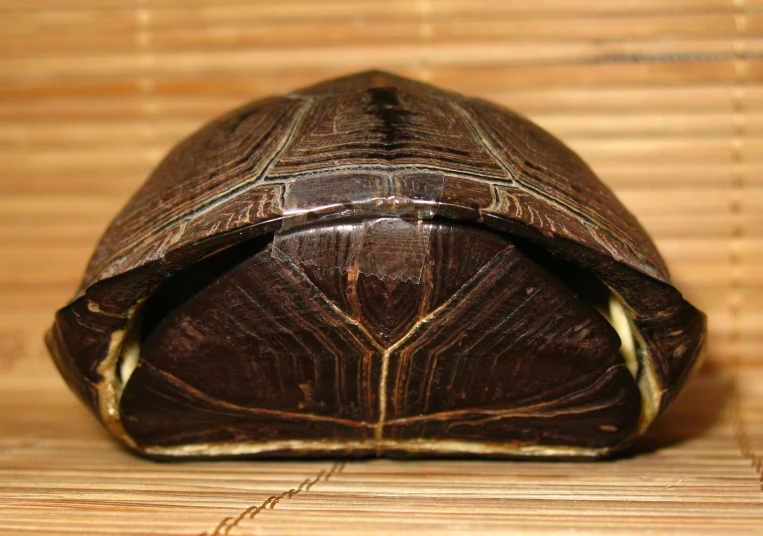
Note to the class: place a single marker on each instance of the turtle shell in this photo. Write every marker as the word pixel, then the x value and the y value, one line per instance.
pixel 372 265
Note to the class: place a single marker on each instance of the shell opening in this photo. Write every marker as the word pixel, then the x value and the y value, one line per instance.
pixel 621 323
pixel 596 294
pixel 632 348
pixel 171 295
pixel 129 360
pixel 616 315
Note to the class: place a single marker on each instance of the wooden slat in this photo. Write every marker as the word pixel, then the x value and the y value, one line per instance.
pixel 687 475
pixel 495 54
pixel 167 35
pixel 669 128
pixel 186 12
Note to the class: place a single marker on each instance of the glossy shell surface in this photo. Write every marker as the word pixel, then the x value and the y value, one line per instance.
pixel 373 265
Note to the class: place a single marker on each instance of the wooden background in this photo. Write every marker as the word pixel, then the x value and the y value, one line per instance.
pixel 663 98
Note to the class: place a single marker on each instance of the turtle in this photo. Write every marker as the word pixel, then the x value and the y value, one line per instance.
pixel 373 266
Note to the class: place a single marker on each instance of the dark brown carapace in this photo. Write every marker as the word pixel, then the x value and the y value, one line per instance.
pixel 374 266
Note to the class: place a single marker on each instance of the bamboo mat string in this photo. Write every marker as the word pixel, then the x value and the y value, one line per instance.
pixel 226 525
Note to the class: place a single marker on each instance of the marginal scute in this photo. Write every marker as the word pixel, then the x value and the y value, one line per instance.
pixel 552 177
pixel 213 166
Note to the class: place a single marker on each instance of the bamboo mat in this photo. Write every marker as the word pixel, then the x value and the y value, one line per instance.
pixel 61 474
pixel 663 99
